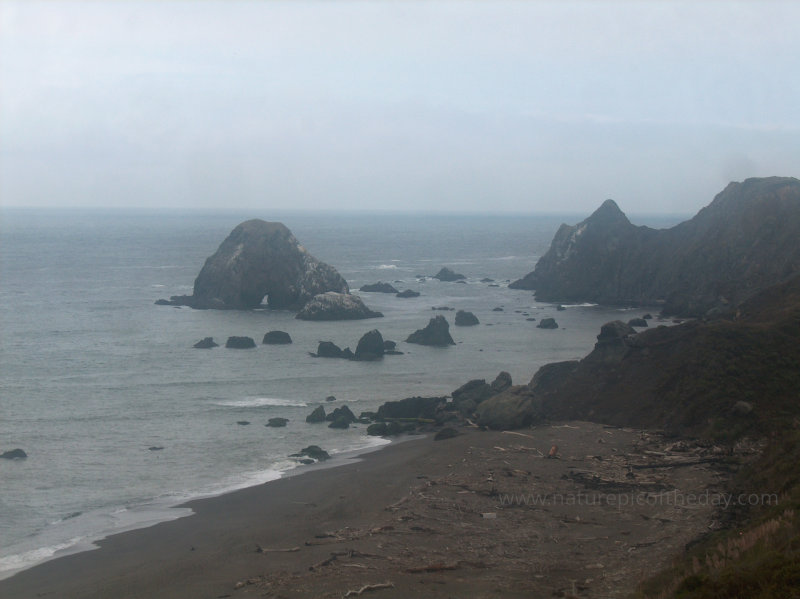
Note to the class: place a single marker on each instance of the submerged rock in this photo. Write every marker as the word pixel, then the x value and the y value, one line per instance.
pixel 276 338
pixel 336 306
pixel 206 343
pixel 379 287
pixel 547 323
pixel 277 422
pixel 408 293
pixel 436 333
pixel 448 275
pixel 315 452
pixel 14 454
pixel 240 343
pixel 466 319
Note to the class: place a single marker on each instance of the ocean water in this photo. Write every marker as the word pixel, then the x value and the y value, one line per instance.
pixel 93 374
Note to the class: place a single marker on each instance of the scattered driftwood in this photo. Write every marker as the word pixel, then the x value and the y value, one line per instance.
pixel 432 568
pixel 369 587
pixel 260 549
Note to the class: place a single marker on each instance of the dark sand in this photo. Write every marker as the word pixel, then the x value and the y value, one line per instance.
pixel 419 519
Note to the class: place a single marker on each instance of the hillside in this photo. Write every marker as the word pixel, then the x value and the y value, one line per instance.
pixel 747 239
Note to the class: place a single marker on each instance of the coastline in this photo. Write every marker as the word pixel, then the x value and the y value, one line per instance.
pixel 413 514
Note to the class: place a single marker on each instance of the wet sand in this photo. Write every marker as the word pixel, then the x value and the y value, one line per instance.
pixel 485 514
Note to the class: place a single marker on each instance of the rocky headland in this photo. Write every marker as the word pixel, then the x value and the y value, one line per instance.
pixel 747 239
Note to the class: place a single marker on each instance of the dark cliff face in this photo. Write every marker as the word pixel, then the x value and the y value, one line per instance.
pixel 747 239
pixel 692 379
pixel 262 259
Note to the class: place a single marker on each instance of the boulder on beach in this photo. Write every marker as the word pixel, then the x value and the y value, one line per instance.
pixel 436 333
pixel 317 415
pixel 466 319
pixel 547 323
pixel 448 275
pixel 261 260
pixel 206 343
pixel 501 382
pixel 446 433
pixel 370 347
pixel 336 306
pixel 513 408
pixel 276 338
pixel 378 287
pixel 408 293
pixel 240 343
pixel 411 407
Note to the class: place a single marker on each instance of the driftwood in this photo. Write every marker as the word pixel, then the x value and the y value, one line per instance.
pixel 432 568
pixel 369 587
pixel 260 549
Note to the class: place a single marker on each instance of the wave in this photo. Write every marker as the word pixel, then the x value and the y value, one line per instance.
pixel 259 402
pixel 387 266
pixel 584 305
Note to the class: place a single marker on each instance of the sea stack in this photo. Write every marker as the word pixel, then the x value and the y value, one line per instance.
pixel 261 261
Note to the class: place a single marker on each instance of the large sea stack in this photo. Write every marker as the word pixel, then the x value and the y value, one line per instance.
pixel 261 261
pixel 747 239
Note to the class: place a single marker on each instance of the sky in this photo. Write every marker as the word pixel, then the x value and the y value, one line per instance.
pixel 447 106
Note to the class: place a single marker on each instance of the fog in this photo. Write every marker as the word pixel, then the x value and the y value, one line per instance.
pixel 434 106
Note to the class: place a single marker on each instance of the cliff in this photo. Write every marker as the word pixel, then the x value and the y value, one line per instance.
pixel 747 239
pixel 721 378
pixel 261 260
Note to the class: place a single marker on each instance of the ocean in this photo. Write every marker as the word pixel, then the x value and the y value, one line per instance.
pixel 93 374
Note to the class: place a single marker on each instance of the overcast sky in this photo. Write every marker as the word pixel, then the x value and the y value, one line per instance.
pixel 395 105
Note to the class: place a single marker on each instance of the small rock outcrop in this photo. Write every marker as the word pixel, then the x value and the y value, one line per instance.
pixel 379 287
pixel 318 415
pixel 466 319
pixel 448 275
pixel 336 306
pixel 328 349
pixel 436 333
pixel 501 382
pixel 261 260
pixel 206 343
pixel 341 417
pixel 14 454
pixel 315 452
pixel 240 343
pixel 408 293
pixel 276 338
pixel 612 343
pixel 547 323
pixel 277 422
pixel 370 347
pixel 637 322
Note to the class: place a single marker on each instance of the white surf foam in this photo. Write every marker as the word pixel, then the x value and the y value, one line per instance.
pixel 258 402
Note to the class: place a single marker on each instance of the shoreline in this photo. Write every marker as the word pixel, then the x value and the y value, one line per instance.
pixel 427 516
pixel 159 511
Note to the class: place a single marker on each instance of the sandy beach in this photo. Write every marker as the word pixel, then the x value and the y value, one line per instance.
pixel 485 514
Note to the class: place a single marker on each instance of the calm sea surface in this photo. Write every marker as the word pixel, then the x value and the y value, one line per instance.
pixel 93 374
